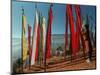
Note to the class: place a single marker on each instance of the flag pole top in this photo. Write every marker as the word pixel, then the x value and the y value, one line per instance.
pixel 87 22
pixel 35 5
pixel 22 10
pixel 51 5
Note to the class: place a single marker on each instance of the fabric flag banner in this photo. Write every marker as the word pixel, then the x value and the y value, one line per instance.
pixel 48 35
pixel 79 26
pixel 72 32
pixel 77 37
pixel 42 38
pixel 44 34
pixel 40 52
pixel 35 40
pixel 29 43
pixel 24 42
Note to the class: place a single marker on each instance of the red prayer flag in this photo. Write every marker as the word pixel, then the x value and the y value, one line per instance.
pixel 48 35
pixel 37 44
pixel 79 25
pixel 72 32
pixel 77 36
pixel 29 42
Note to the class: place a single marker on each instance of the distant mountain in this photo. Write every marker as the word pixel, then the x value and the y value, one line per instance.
pixel 52 35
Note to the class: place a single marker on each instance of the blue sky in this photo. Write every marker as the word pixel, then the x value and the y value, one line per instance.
pixel 58 25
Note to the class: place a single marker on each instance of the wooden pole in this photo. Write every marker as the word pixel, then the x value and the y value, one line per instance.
pixel 22 39
pixel 45 62
pixel 71 50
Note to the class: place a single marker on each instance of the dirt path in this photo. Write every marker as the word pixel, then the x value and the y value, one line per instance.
pixel 74 66
pixel 59 64
pixel 64 66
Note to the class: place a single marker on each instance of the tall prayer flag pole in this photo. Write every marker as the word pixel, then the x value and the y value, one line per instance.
pixel 24 42
pixel 35 39
pixel 72 31
pixel 48 36
pixel 29 44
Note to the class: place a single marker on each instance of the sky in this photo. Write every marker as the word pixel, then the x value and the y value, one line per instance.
pixel 58 24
